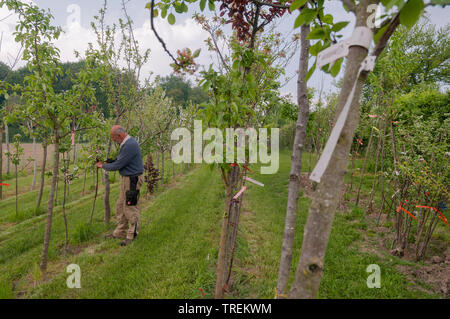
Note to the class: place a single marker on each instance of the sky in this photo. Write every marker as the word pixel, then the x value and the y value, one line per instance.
pixel 75 16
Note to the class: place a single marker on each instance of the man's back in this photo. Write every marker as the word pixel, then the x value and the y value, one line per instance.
pixel 129 161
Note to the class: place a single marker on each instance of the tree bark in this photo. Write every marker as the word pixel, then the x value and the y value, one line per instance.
pixel 326 198
pixel 296 167
pixel 74 153
pixel 162 168
pixel 17 190
pixel 95 195
pixel 48 226
pixel 7 148
pixel 64 210
pixel 41 186
pixel 33 184
pixel 221 271
pixel 157 167
pixel 106 201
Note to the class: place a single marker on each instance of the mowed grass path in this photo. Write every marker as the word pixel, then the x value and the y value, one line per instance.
pixel 173 257
pixel 176 252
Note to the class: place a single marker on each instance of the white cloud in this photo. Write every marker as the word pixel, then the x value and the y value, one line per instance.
pixel 9 47
pixel 76 37
pixel 183 35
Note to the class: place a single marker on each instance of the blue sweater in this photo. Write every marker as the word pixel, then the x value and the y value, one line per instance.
pixel 129 161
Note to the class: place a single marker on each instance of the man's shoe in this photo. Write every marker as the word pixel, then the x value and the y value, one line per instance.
pixel 126 242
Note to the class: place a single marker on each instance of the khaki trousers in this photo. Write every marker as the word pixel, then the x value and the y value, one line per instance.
pixel 127 217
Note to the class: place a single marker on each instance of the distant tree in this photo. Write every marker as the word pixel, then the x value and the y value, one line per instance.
pixel 181 91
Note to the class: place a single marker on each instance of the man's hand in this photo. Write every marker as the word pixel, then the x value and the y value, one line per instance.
pixel 99 164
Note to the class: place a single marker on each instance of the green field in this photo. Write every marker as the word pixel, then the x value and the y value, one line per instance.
pixel 176 251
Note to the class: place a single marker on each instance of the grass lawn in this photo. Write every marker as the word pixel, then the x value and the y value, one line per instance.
pixel 176 251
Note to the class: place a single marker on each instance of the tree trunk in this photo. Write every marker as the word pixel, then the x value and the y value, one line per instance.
pixel 48 226
pixel 64 210
pixel 41 186
pixel 221 271
pixel 326 198
pixel 74 153
pixel 296 167
pixel 65 217
pixel 17 191
pixel 95 196
pixel 33 184
pixel 106 201
pixel 157 167
pixel 162 168
pixel 56 193
pixel 7 148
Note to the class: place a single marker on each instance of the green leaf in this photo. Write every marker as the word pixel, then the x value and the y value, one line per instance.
pixel 211 5
pixel 178 7
pixel 236 64
pixel 296 4
pixel 336 67
pixel 339 26
pixel 310 14
pixel 163 12
pixel 316 48
pixel 410 12
pixel 299 21
pixel 148 5
pixel 184 7
pixel 305 17
pixel 202 4
pixel 310 72
pixel 196 53
pixel 155 13
pixel 171 18
pixel 328 18
pixel 317 34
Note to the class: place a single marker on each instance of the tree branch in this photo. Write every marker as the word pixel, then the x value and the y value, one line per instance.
pixel 382 42
pixel 157 35
pixel 350 4
pixel 274 5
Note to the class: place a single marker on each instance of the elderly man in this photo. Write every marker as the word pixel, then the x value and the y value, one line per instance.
pixel 129 164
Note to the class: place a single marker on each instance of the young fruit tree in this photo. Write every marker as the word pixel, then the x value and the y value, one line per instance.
pixel 15 160
pixel 332 165
pixel 51 111
pixel 120 84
